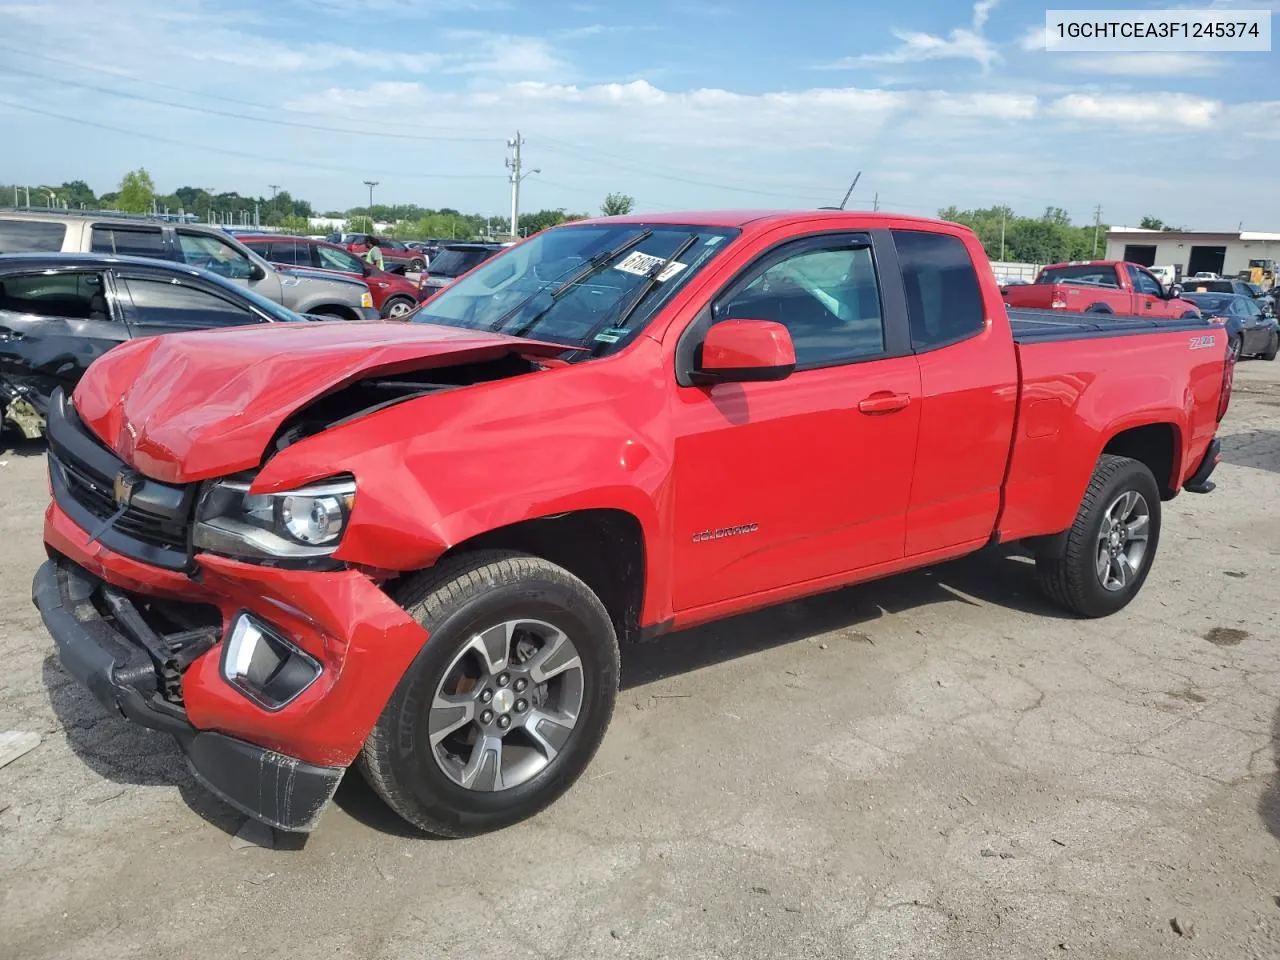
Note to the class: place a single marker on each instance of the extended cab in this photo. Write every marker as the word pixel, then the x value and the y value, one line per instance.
pixel 417 545
pixel 1101 286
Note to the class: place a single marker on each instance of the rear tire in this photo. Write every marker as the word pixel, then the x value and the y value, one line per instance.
pixel 1273 347
pixel 416 266
pixel 1076 580
pixel 475 607
pixel 1191 315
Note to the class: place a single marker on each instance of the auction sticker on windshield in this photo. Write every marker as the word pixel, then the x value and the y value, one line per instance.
pixel 642 263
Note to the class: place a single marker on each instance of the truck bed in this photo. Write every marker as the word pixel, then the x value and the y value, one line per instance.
pixel 1040 326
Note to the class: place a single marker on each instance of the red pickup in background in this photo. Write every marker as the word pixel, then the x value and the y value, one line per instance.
pixel 1101 286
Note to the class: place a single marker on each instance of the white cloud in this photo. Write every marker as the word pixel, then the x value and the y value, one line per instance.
pixel 1154 64
pixel 1034 39
pixel 962 43
pixel 1168 109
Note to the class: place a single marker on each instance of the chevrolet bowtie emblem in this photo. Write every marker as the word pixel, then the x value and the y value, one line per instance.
pixel 125 483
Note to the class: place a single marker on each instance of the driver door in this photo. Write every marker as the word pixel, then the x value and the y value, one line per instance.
pixel 1148 293
pixel 781 483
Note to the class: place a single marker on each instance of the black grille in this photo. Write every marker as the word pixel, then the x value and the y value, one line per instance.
pixel 152 528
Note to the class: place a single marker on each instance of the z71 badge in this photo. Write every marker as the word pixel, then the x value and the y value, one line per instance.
pixel 1204 342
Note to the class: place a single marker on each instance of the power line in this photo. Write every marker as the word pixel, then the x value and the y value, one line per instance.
pixel 566 148
pixel 241 153
pixel 236 116
pixel 273 108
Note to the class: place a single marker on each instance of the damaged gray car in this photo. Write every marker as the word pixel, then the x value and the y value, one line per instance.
pixel 60 312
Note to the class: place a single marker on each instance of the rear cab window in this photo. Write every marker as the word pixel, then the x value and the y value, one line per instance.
pixel 31 236
pixel 1094 275
pixel 944 299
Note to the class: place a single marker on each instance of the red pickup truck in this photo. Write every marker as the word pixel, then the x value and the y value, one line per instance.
pixel 416 546
pixel 1101 286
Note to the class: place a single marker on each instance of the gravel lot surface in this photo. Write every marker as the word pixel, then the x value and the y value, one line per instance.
pixel 935 765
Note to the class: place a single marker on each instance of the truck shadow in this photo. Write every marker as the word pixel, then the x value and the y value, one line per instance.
pixel 1269 802
pixel 14 444
pixel 1259 449
pixel 125 753
pixel 998 576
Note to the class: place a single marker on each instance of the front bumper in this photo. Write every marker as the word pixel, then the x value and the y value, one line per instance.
pixel 116 660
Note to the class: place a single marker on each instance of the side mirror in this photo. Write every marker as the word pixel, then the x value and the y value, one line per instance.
pixel 737 351
pixel 1175 291
pixel 256 272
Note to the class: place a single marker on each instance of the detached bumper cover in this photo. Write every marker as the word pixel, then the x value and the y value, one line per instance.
pixel 279 790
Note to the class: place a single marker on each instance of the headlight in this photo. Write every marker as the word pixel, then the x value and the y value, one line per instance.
pixel 366 299
pixel 289 525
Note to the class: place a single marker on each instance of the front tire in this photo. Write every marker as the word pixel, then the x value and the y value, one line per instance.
pixel 506 703
pixel 397 307
pixel 416 266
pixel 1111 544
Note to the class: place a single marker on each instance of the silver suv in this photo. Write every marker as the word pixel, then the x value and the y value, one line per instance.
pixel 301 290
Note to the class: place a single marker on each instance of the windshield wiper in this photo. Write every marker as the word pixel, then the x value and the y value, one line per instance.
pixel 650 281
pixel 591 267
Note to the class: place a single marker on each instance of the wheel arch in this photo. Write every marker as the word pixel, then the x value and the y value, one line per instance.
pixel 1157 445
pixel 332 309
pixel 602 546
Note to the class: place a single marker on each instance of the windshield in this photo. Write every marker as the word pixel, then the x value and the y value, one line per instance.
pixel 550 287
pixel 453 262
pixel 1097 275
pixel 1208 303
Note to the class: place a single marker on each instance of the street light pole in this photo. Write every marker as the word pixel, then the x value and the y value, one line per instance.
pixel 371 184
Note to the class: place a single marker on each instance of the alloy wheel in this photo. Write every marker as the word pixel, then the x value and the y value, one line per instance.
pixel 506 705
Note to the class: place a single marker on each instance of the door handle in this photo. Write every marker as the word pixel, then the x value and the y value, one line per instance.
pixel 884 402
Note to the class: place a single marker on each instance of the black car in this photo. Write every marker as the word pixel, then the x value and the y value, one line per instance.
pixel 1252 332
pixel 455 259
pixel 61 311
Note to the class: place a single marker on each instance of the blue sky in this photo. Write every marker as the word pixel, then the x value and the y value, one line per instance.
pixel 717 104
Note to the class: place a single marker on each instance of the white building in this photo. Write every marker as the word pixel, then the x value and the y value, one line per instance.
pixel 1226 254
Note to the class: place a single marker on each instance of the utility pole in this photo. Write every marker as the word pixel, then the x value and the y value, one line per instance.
pixel 513 163
pixel 516 178
pixel 28 191
pixel 875 203
pixel 1097 222
pixel 1002 219
pixel 371 184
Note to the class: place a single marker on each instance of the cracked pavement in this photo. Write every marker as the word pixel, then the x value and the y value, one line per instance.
pixel 934 765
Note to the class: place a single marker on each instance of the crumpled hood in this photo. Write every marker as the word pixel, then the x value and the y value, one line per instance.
pixel 190 406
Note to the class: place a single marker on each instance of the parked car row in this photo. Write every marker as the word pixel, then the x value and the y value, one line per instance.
pixel 210 248
pixel 59 312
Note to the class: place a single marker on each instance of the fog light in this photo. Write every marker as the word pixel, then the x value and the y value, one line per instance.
pixel 263 665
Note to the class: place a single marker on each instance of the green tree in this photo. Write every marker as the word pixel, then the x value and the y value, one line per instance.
pixel 137 192
pixel 533 222
pixel 617 205
pixel 1151 223
pixel 297 225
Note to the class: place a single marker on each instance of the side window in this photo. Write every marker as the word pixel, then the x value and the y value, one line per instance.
pixel 281 252
pixel 212 254
pixel 74 296
pixel 827 299
pixel 168 304
pixel 338 260
pixel 944 301
pixel 129 241
pixel 1143 282
pixel 31 236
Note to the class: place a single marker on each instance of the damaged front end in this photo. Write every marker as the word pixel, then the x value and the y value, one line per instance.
pixel 191 597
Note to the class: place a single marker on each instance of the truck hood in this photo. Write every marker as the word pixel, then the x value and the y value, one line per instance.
pixel 190 406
